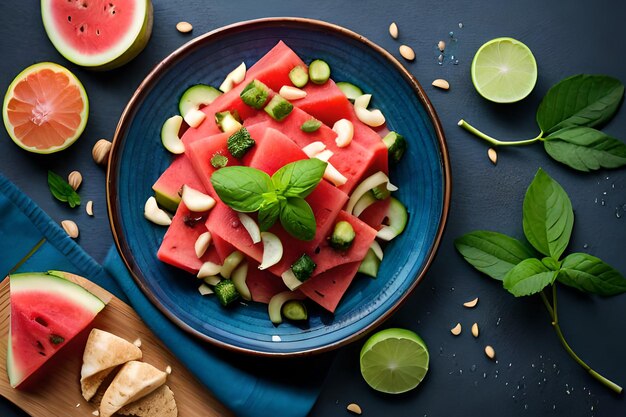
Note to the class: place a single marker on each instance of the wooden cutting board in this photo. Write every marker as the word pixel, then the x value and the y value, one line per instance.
pixel 57 391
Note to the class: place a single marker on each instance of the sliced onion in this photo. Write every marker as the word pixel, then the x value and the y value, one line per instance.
pixel 378 251
pixel 250 225
pixel 313 148
pixel 272 250
pixel 364 202
pixel 367 184
pixel 239 277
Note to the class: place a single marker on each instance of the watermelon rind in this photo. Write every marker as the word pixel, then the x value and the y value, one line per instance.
pixel 124 51
pixel 9 94
pixel 51 284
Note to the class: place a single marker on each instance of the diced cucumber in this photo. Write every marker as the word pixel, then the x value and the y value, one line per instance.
pixel 255 94
pixel 350 90
pixel 398 218
pixel 370 264
pixel 227 122
pixel 396 145
pixel 278 108
pixel 219 161
pixel 231 262
pixel 303 267
pixel 381 192
pixel 226 292
pixel 196 96
pixel 295 310
pixel 275 306
pixel 299 76
pixel 319 71
pixel 311 125
pixel 343 235
pixel 239 277
pixel 239 143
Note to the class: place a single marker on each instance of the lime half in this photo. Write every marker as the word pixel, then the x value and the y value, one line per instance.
pixel 504 70
pixel 394 361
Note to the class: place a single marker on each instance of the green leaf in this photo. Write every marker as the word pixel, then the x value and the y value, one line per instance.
pixel 62 190
pixel 299 179
pixel 241 188
pixel 548 217
pixel 268 214
pixel 585 149
pixel 551 263
pixel 580 100
pixel 297 218
pixel 492 253
pixel 590 274
pixel 528 277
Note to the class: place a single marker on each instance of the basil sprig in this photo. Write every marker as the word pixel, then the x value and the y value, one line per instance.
pixel 281 196
pixel 567 116
pixel 548 219
pixel 62 190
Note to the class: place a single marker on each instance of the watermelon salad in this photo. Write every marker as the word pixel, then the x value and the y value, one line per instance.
pixel 278 192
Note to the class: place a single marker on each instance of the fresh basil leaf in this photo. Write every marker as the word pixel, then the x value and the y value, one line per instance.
pixel 590 274
pixel 241 188
pixel 268 214
pixel 551 263
pixel 297 218
pixel 492 253
pixel 580 100
pixel 548 217
pixel 585 149
pixel 62 190
pixel 528 277
pixel 299 179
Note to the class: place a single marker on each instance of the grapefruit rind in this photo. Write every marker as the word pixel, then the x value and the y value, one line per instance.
pixel 10 92
pixel 124 51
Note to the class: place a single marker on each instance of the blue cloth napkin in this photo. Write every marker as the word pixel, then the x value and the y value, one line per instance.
pixel 249 386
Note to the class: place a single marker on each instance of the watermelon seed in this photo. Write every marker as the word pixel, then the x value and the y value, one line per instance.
pixel 41 321
pixel 191 221
pixel 69 18
pixel 41 353
pixel 98 32
pixel 39 345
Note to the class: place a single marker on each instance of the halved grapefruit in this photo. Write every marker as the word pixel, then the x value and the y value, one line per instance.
pixel 45 108
pixel 98 34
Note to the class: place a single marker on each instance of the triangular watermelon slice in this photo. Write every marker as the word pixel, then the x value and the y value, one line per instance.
pixel 47 311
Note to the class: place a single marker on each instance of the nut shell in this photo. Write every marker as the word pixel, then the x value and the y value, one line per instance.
pixel 74 179
pixel 70 228
pixel 100 152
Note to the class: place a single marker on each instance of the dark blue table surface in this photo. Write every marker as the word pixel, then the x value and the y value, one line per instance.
pixel 533 375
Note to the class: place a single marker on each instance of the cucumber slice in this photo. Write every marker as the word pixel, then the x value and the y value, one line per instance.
pixel 299 76
pixel 350 90
pixel 398 218
pixel 239 143
pixel 303 267
pixel 196 96
pixel 275 306
pixel 255 94
pixel 343 236
pixel 226 292
pixel 319 71
pixel 272 250
pixel 278 108
pixel 239 280
pixel 231 262
pixel 396 145
pixel 219 161
pixel 370 264
pixel 295 310
pixel 311 125
pixel 169 135
pixel 227 122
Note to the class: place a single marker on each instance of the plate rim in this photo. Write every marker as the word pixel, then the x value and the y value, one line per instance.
pixel 153 76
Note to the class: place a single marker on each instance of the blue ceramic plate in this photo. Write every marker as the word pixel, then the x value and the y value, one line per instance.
pixel 138 158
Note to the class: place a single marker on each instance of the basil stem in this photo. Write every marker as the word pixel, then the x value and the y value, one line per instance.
pixel 552 310
pixel 494 141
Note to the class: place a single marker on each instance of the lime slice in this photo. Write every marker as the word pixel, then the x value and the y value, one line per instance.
pixel 504 70
pixel 394 361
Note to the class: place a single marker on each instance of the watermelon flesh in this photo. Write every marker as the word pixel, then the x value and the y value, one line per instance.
pixel 46 313
pixel 327 288
pixel 168 187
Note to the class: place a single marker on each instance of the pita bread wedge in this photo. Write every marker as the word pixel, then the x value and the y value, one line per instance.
pixel 160 403
pixel 134 381
pixel 103 352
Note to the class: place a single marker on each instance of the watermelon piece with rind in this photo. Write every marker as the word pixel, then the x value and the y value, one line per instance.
pixel 167 187
pixel 47 311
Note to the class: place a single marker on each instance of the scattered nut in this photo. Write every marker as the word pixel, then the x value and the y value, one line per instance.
pixel 441 83
pixel 100 151
pixel 137 342
pixel 490 352
pixel 393 30
pixel 95 412
pixel 70 228
pixel 74 179
pixel 456 330
pixel 472 303
pixel 407 52
pixel 354 408
pixel 89 208
pixel 493 155
pixel 441 45
pixel 184 27
pixel 475 329
pixel 168 370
